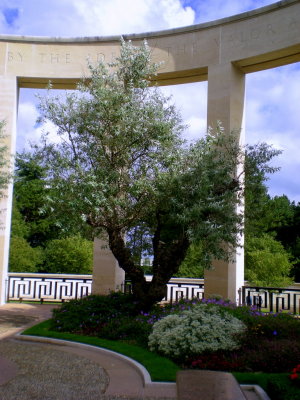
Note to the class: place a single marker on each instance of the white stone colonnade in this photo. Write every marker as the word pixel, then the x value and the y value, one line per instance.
pixel 221 52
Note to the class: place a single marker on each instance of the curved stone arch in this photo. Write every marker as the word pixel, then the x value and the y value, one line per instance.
pixel 221 52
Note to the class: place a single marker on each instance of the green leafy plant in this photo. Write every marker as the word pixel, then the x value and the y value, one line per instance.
pixel 193 264
pixel 272 326
pixel 71 255
pixel 282 389
pixel 89 314
pixel 267 262
pixel 270 355
pixel 129 329
pixel 23 257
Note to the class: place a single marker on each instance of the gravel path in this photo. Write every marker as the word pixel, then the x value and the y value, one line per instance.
pixel 47 374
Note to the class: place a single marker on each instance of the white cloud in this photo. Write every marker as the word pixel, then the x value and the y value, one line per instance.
pixel 28 131
pixel 116 17
pixel 191 102
pixel 197 127
pixel 27 115
pixel 272 116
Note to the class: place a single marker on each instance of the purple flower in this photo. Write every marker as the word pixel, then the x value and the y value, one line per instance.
pixel 274 333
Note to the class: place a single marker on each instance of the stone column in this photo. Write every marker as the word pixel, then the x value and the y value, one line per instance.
pixel 8 107
pixel 107 275
pixel 226 92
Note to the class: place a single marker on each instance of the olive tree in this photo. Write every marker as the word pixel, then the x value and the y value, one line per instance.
pixel 121 166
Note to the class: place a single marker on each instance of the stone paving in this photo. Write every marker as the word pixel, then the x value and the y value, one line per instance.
pixel 34 368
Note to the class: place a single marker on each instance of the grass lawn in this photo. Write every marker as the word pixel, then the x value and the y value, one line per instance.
pixel 258 378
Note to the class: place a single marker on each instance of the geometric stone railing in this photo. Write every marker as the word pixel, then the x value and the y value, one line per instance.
pixel 178 288
pixel 273 299
pixel 184 288
pixel 47 287
pixel 63 287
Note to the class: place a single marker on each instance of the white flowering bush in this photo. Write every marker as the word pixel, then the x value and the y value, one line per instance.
pixel 203 328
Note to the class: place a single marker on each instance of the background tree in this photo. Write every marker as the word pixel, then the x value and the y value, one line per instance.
pixel 35 226
pixel 286 229
pixel 193 264
pixel 121 165
pixel 277 217
pixel 268 264
pixel 23 257
pixel 71 255
pixel 31 201
pixel 270 258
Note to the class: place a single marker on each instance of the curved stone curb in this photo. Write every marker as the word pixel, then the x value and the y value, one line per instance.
pixel 132 363
pixel 260 393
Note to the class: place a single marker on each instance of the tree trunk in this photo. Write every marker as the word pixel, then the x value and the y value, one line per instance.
pixel 167 259
pixel 125 260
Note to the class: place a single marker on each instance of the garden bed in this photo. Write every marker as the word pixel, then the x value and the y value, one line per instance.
pixel 258 348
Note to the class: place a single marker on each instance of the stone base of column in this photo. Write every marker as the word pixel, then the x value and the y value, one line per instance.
pixel 107 275
pixel 224 279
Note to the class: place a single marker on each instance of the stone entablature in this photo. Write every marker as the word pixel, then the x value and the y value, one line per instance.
pixel 253 41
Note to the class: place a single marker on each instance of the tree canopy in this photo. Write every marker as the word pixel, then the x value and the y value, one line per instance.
pixel 40 242
pixel 121 166
pixel 267 262
pixel 277 217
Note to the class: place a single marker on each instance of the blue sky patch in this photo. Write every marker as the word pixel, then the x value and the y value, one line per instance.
pixel 10 15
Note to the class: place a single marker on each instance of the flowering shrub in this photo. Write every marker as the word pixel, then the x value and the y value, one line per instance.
pixel 270 355
pixel 219 361
pixel 195 335
pixel 125 328
pixel 273 326
pixel 87 315
pixel 295 375
pixel 204 328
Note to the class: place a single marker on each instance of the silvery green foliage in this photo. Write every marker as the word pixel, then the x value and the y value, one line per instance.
pixel 117 137
pixel 203 328
pixel 120 162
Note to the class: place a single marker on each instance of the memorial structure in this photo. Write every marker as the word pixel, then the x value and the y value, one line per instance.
pixel 221 52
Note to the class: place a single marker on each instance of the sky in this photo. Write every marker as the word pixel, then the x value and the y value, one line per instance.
pixel 272 96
